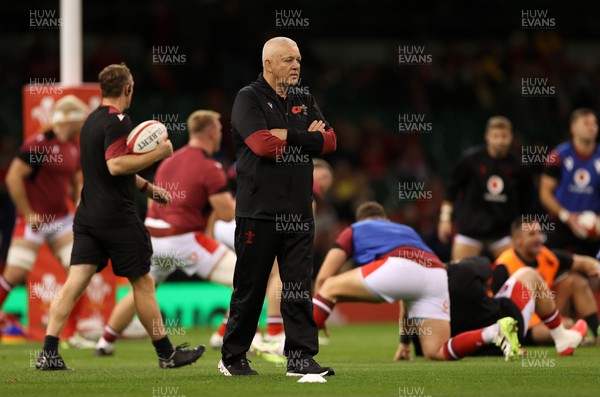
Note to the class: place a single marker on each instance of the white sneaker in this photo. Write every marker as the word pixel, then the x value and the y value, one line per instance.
pixel 257 337
pixel 267 345
pixel 216 340
pixel 573 338
pixel 257 343
pixel 79 342
pixel 280 337
pixel 323 340
pixel 269 351
pixel 135 330
pixel 104 348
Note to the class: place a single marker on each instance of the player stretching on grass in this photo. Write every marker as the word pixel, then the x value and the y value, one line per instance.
pixel 519 296
pixel 396 265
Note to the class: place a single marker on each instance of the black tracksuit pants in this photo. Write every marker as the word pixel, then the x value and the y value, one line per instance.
pixel 257 244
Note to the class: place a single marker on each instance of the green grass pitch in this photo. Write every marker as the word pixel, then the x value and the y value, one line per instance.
pixel 360 354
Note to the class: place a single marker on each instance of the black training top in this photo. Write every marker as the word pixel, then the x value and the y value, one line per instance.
pixel 275 177
pixel 489 193
pixel 106 200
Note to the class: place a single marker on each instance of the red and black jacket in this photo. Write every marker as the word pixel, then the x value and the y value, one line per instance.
pixel 275 177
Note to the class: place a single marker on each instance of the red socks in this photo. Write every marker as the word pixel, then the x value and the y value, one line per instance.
pixel 274 325
pixel 552 319
pixel 222 327
pixel 463 345
pixel 110 335
pixel 322 308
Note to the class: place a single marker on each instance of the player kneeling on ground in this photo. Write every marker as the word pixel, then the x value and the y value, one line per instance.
pixel 397 265
pixel 520 296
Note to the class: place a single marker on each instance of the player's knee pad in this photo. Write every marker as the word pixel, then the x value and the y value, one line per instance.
pixel 22 257
pixel 222 273
pixel 64 255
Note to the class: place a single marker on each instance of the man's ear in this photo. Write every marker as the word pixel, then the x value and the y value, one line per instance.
pixel 267 65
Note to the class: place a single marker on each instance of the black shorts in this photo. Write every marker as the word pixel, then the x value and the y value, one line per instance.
pixel 506 308
pixel 127 246
pixel 563 238
pixel 486 313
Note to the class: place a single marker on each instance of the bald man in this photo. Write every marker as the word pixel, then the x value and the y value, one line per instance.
pixel 276 132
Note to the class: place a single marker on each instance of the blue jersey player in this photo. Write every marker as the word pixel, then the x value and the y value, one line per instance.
pixel 396 265
pixel 570 184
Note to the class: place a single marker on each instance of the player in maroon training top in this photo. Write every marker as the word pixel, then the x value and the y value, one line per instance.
pixel 198 185
pixel 41 179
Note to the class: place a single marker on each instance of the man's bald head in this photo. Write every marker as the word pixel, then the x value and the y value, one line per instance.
pixel 281 64
pixel 275 46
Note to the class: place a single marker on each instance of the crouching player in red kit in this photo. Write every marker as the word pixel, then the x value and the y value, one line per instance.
pixel 397 265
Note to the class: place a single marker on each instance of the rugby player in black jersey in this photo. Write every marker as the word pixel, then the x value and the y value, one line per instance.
pixel 106 225
pixel 487 190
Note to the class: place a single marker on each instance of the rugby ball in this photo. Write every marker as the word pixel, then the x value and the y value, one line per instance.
pixel 589 223
pixel 145 137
